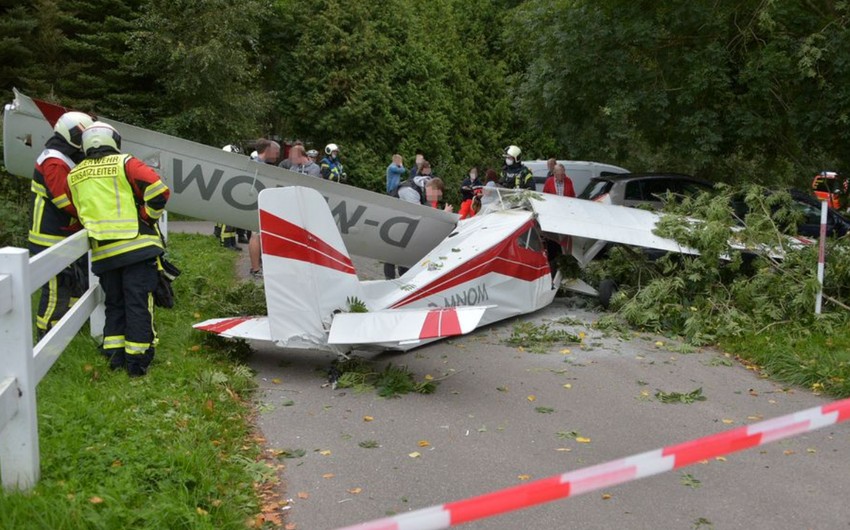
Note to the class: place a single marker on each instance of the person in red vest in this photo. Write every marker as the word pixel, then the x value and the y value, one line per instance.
pixel 559 183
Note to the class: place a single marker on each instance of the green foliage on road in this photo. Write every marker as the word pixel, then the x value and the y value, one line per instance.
pixel 752 301
pixel 174 449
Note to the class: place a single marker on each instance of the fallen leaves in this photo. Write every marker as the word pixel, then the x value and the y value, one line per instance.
pixel 532 398
pixel 355 491
pixel 95 500
pixel 414 454
pixel 523 477
pixel 303 495
pixel 325 452
pixel 424 443
pixel 368 418
pixel 582 440
pixel 328 475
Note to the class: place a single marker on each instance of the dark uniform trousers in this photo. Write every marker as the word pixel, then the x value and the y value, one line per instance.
pixel 60 293
pixel 129 312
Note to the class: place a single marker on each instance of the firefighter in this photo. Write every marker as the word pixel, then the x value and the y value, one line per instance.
pixel 828 186
pixel 515 174
pixel 331 167
pixel 50 223
pixel 226 234
pixel 119 199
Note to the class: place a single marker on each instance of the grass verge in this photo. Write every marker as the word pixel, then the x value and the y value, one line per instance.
pixel 819 361
pixel 172 450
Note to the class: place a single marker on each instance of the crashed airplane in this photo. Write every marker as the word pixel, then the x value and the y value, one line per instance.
pixel 463 274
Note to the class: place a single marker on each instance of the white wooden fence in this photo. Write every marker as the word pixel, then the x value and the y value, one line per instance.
pixel 21 365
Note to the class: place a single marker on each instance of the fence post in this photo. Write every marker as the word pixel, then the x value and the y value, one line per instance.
pixel 19 458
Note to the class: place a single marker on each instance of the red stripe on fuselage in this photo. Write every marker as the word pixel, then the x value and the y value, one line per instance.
pixel 505 258
pixel 284 239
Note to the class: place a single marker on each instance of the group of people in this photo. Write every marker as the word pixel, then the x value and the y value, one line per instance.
pixel 82 180
pixel 298 159
pixel 418 185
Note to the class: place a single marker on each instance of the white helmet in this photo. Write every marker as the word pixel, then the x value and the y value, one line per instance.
pixel 71 126
pixel 230 148
pixel 513 152
pixel 312 153
pixel 330 148
pixel 100 134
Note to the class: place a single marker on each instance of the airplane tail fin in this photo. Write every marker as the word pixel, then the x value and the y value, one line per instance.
pixel 307 271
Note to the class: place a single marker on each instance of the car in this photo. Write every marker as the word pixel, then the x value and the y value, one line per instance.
pixel 637 189
pixel 579 172
pixel 809 226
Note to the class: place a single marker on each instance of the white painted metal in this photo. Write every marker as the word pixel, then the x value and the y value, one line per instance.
pixel 397 325
pixel 5 294
pixel 19 458
pixel 601 222
pixel 45 265
pixel 821 256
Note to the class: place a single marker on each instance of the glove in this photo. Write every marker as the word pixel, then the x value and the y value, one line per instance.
pixel 163 295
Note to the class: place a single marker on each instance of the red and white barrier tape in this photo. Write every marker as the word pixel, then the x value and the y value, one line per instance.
pixel 613 473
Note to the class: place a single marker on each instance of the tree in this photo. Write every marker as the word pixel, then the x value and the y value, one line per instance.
pixel 726 90
pixel 382 77
pixel 203 57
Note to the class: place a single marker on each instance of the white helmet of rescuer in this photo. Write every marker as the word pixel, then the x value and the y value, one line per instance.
pixel 330 148
pixel 71 126
pixel 512 151
pixel 230 148
pixel 100 134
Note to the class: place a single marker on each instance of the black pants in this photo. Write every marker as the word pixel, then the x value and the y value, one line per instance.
pixel 58 292
pixel 129 309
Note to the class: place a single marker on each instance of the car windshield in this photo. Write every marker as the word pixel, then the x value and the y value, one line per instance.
pixel 596 188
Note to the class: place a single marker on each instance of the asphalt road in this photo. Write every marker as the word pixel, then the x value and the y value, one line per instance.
pixel 483 433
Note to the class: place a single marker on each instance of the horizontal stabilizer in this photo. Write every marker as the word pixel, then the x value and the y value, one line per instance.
pixel 403 325
pixel 249 328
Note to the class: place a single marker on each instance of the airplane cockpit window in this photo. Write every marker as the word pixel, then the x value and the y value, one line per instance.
pixel 530 240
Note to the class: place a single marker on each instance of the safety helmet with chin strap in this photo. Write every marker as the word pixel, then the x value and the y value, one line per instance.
pixel 71 126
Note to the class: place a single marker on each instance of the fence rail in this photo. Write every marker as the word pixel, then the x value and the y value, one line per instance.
pixel 23 366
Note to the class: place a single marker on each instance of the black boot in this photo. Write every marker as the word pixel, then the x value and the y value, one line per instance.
pixel 117 358
pixel 137 365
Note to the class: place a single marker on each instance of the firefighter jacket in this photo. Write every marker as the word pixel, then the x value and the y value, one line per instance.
pixel 517 176
pixel 332 169
pixel 50 222
pixel 118 199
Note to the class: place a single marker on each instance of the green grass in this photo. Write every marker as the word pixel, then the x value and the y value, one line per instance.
pixel 172 450
pixel 818 360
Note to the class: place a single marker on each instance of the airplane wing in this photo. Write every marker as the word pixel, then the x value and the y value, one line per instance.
pixel 403 326
pixel 208 183
pixel 592 224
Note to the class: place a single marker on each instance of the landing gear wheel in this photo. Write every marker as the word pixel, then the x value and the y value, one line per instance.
pixel 607 289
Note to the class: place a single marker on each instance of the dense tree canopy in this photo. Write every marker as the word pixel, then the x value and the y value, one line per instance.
pixel 748 90
pixel 738 91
